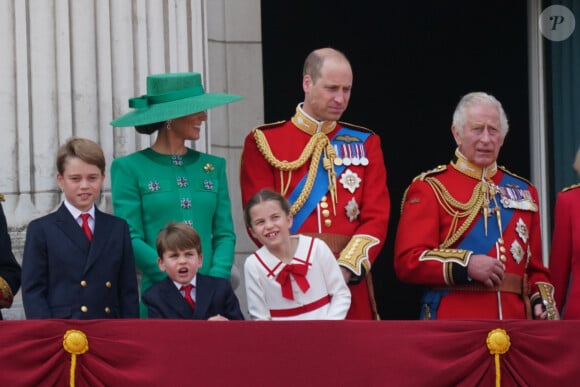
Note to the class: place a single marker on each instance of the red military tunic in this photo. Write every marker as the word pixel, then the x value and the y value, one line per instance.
pixel 565 253
pixel 442 225
pixel 357 231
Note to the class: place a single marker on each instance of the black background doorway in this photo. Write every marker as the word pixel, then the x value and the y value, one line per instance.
pixel 412 61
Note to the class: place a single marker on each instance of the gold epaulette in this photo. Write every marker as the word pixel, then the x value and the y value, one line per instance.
pixel 269 125
pixel 437 169
pixel 573 186
pixel 353 126
pixel 421 177
pixel 514 175
pixel 1 197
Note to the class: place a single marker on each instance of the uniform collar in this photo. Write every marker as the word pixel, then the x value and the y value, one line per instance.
pixel 467 168
pixel 309 125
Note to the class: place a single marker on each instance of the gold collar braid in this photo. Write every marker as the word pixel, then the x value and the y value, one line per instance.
pixel 483 193
pixel 313 151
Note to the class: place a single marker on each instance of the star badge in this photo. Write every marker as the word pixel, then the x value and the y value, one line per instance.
pixel 522 230
pixel 350 180
pixel 517 251
pixel 352 210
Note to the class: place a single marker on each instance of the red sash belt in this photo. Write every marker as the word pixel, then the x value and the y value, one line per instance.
pixel 301 309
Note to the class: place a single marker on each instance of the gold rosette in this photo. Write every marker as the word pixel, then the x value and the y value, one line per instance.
pixel 76 343
pixel 498 343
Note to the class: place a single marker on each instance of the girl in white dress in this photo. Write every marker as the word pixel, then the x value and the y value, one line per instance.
pixel 291 277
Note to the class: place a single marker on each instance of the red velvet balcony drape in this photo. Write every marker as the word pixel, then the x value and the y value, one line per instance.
pixel 306 353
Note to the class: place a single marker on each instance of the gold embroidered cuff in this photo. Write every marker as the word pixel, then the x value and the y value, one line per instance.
pixel 447 255
pixel 6 296
pixel 355 255
pixel 547 296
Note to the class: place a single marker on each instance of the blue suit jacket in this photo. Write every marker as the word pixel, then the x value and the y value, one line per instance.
pixel 66 276
pixel 213 296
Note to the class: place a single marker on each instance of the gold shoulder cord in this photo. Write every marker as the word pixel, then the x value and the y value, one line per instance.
pixel 456 209
pixel 313 150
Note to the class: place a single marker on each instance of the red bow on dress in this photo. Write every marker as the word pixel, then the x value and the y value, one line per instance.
pixel 299 274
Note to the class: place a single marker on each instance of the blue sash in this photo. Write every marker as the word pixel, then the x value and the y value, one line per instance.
pixel 477 242
pixel 320 186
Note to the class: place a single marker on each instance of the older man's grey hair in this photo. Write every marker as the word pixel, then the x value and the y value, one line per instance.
pixel 478 98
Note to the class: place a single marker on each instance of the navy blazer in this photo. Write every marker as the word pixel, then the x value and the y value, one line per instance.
pixel 9 267
pixel 66 276
pixel 213 296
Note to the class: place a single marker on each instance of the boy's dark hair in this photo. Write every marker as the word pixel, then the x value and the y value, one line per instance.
pixel 263 196
pixel 87 150
pixel 177 236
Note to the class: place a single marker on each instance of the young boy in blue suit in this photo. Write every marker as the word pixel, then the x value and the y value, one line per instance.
pixel 210 298
pixel 78 261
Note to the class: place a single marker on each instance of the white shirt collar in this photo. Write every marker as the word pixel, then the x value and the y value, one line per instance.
pixel 76 212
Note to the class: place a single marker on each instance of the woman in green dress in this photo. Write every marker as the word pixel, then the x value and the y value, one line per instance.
pixel 170 182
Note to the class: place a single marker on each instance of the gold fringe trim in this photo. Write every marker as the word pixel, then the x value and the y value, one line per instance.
pixel 456 209
pixel 313 150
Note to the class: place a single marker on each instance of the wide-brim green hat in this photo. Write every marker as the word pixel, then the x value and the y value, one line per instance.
pixel 171 95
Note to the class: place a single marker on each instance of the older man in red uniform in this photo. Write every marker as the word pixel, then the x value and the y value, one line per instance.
pixel 470 230
pixel 333 174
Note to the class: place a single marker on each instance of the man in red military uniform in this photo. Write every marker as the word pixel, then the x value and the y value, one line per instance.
pixel 470 230
pixel 333 174
pixel 565 252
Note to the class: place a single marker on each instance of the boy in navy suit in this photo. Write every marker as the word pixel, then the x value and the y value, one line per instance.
pixel 179 255
pixel 78 261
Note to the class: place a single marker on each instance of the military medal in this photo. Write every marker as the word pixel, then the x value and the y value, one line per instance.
pixel 515 197
pixel 363 159
pixel 356 157
pixel 337 159
pixel 346 160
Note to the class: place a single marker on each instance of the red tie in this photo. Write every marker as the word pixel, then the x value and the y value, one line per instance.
pixel 86 227
pixel 187 289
